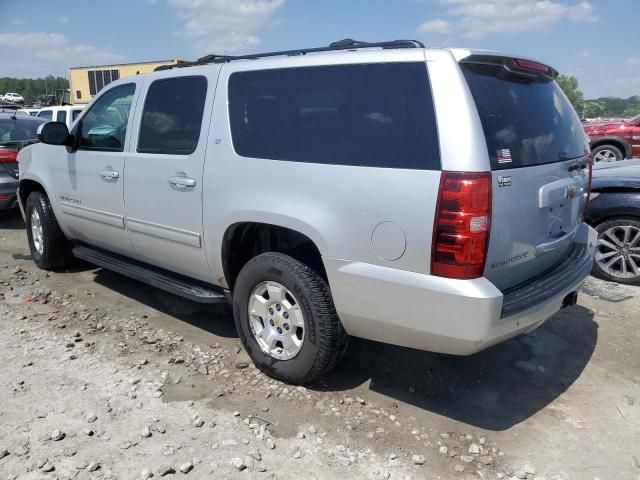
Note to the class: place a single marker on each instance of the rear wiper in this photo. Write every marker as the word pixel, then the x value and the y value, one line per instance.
pixel 579 165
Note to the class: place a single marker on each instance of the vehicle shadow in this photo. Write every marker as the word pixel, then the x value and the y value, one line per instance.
pixel 11 219
pixel 494 389
pixel 215 318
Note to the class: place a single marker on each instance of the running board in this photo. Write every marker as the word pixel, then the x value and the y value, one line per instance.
pixel 168 281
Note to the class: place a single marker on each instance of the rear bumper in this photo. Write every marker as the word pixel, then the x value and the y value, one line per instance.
pixel 450 316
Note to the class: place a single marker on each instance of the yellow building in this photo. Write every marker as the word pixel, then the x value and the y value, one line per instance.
pixel 86 82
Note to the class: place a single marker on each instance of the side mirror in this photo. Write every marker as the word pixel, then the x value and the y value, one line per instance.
pixel 53 133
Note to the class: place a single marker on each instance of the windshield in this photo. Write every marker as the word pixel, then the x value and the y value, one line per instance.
pixel 17 129
pixel 527 121
pixel 633 119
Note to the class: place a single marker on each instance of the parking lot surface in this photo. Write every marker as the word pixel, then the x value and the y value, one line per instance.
pixel 104 377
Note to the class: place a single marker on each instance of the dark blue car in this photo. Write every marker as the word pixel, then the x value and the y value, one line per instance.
pixel 614 211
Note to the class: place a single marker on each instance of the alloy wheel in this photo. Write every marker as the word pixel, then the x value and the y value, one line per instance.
pixel 618 251
pixel 276 320
pixel 36 231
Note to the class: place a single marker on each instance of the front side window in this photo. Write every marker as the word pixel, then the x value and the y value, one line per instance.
pixel 104 127
pixel 46 114
pixel 172 116
pixel 61 116
pixel 373 115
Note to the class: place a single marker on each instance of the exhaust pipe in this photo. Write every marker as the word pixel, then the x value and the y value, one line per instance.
pixel 570 300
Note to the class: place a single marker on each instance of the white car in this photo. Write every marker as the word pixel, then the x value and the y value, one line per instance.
pixel 66 114
pixel 13 98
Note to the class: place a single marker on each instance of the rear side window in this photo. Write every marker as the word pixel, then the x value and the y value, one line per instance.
pixel 172 116
pixel 46 114
pixel 527 121
pixel 74 114
pixel 61 116
pixel 374 115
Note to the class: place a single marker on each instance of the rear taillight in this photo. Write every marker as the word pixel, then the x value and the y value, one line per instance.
pixel 462 224
pixel 8 156
pixel 588 194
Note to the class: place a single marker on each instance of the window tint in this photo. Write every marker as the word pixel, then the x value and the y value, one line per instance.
pixel 376 115
pixel 172 116
pixel 61 116
pixel 526 121
pixel 74 114
pixel 104 127
pixel 46 114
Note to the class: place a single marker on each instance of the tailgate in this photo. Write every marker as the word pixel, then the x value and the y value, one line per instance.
pixel 539 162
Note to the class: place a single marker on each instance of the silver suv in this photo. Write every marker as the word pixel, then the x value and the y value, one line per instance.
pixel 429 198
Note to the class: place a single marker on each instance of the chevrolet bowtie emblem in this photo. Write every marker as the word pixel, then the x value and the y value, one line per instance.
pixel 571 191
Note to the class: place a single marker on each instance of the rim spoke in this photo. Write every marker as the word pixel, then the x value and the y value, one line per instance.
pixel 276 293
pixel 605 255
pixel 613 238
pixel 627 234
pixel 624 267
pixel 635 238
pixel 611 262
pixel 259 306
pixel 634 266
pixel 605 243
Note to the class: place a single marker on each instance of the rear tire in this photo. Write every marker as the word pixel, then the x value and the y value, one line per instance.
pixel 323 341
pixel 49 247
pixel 606 153
pixel 618 260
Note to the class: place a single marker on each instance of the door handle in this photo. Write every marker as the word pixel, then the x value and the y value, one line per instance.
pixel 109 174
pixel 182 182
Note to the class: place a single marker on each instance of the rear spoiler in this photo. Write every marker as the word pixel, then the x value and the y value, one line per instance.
pixel 520 66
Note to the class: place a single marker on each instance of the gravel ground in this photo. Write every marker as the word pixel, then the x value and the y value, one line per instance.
pixel 103 377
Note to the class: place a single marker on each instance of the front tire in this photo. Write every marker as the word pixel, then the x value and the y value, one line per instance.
pixel 618 251
pixel 286 319
pixel 49 247
pixel 606 153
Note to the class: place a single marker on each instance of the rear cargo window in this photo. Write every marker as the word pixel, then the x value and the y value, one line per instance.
pixel 374 115
pixel 527 121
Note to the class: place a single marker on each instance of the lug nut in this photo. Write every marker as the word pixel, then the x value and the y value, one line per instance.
pixel 278 307
pixel 285 315
pixel 271 311
pixel 286 326
pixel 279 330
pixel 271 322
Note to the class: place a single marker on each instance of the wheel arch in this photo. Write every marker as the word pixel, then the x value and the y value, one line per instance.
pixel 244 240
pixel 618 142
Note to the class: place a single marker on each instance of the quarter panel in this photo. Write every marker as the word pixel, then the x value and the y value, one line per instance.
pixel 336 206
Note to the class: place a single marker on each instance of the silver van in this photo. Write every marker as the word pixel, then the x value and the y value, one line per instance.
pixel 429 198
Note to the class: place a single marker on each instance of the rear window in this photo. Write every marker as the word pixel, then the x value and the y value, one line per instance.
pixel 374 115
pixel 18 129
pixel 61 116
pixel 527 121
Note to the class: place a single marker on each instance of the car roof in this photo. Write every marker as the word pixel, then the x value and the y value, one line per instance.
pixel 362 54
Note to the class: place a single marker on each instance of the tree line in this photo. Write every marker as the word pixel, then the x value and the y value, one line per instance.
pixel 32 88
pixel 599 107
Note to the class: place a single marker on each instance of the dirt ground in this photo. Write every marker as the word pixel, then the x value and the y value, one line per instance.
pixel 104 377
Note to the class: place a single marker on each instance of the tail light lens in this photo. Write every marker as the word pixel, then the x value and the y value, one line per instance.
pixel 588 194
pixel 8 156
pixel 462 225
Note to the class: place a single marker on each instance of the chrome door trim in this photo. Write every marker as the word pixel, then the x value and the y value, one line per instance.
pixel 111 219
pixel 165 232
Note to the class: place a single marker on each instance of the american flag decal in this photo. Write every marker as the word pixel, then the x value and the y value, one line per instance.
pixel 504 155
